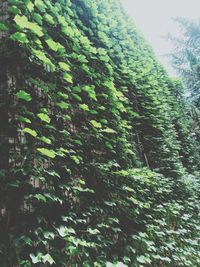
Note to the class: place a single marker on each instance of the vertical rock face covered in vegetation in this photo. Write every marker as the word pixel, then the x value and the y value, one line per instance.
pixel 96 147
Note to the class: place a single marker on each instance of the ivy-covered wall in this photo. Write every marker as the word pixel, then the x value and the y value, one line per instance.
pixel 87 115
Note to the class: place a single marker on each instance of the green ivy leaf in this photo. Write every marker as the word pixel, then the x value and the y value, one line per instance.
pixel 96 124
pixel 55 46
pixel 23 119
pixel 129 189
pixel 41 56
pixel 75 159
pixel 44 117
pixel 49 19
pixel 30 131
pixel 20 37
pixel 40 5
pixel 93 231
pixel 3 27
pixel 84 107
pixel 40 197
pixel 29 5
pixel 67 77
pixel 24 95
pixel 13 10
pixel 47 152
pixel 34 27
pixel 36 259
pixel 109 145
pixel 49 235
pixel 90 89
pixel 64 66
pixel 45 140
pixel 64 231
pixel 23 23
pixel 42 258
pixel 143 259
pixel 37 18
pixel 108 130
pixel 62 95
pixel 118 264
pixel 27 240
pixel 62 105
pixel 77 97
pixel 48 258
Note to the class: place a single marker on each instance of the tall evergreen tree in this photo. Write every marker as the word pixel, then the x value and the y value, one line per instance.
pixel 186 60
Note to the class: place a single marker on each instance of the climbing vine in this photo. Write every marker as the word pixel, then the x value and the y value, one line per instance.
pixel 94 174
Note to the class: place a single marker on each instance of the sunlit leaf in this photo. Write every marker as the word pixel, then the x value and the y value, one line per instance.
pixel 64 66
pixel 47 152
pixel 24 95
pixel 44 117
pixel 62 105
pixel 23 23
pixel 20 37
pixel 30 131
pixel 96 124
pixel 48 259
pixel 108 130
pixel 84 107
pixel 68 77
pixel 45 140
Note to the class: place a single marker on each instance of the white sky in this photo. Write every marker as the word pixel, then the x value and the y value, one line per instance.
pixel 153 18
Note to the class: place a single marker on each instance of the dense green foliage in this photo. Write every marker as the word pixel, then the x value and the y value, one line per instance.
pixel 99 143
